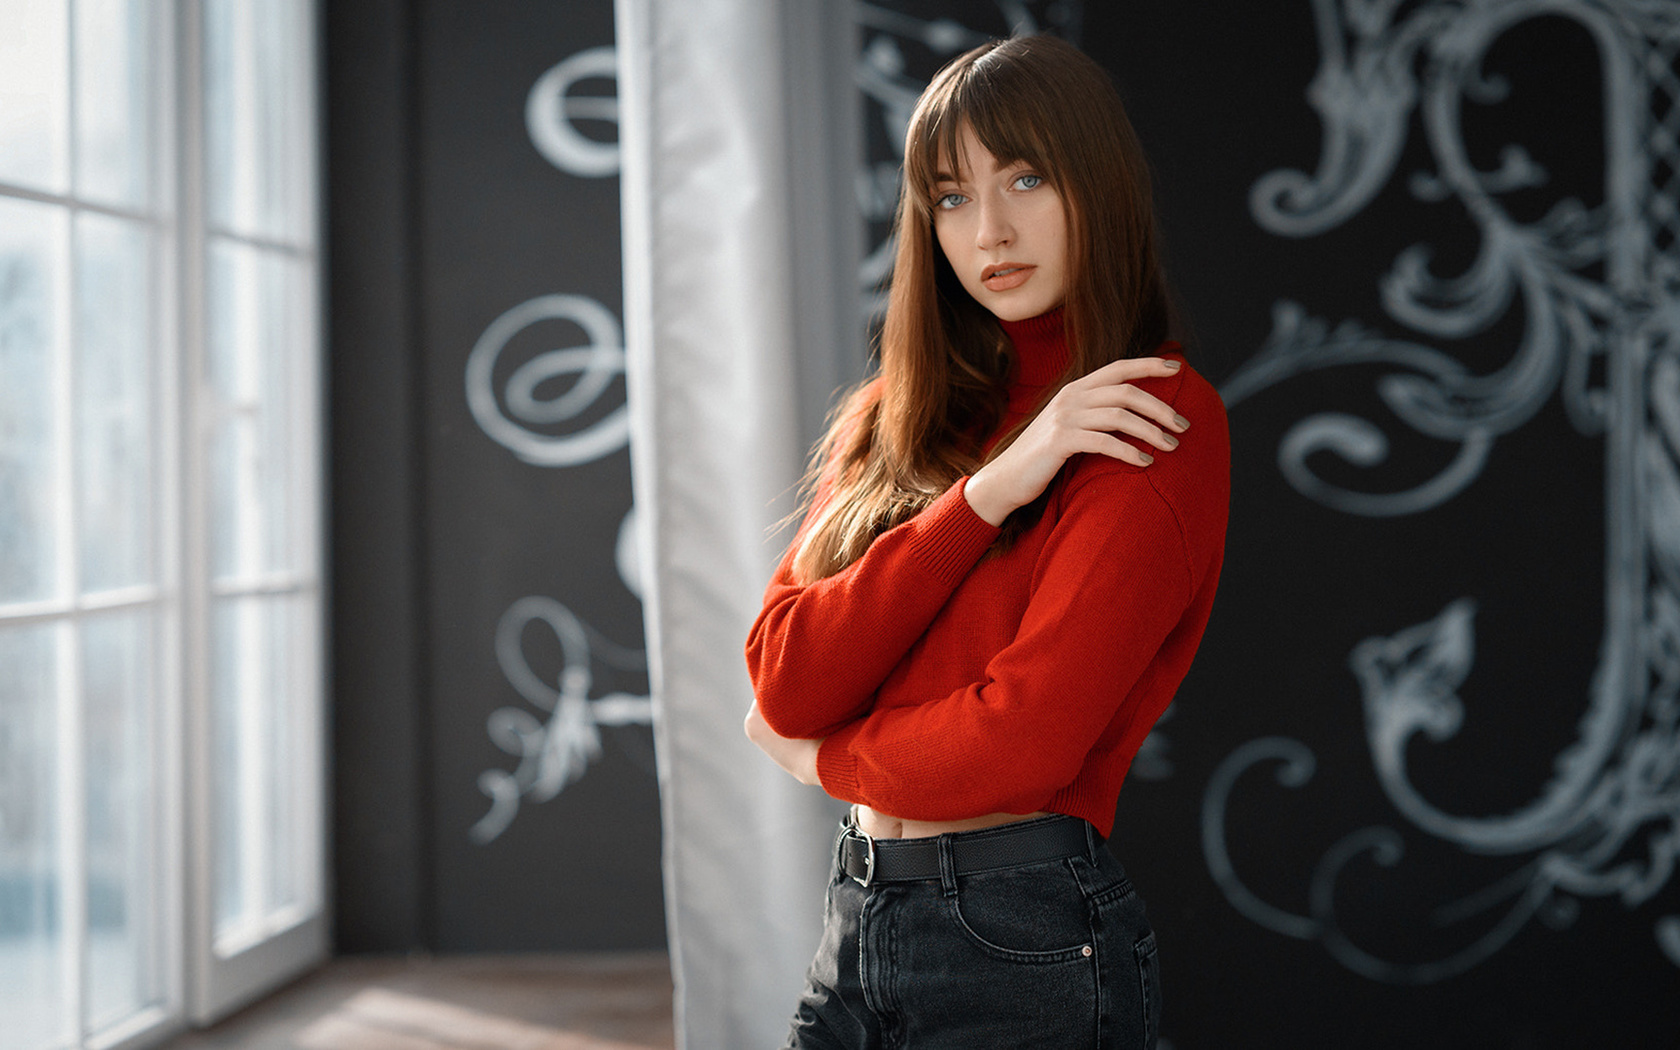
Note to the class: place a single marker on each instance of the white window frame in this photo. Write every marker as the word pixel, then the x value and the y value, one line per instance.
pixel 199 984
pixel 219 980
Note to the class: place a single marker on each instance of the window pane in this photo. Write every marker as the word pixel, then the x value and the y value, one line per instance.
pixel 32 293
pixel 291 849
pixel 265 772
pixel 255 397
pixel 256 124
pixel 112 122
pixel 34 93
pixel 32 996
pixel 253 752
pixel 239 685
pixel 114 388
pixel 254 347
pixel 122 885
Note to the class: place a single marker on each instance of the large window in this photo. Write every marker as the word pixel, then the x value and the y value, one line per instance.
pixel 160 674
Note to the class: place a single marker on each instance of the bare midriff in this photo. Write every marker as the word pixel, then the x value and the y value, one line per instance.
pixel 881 826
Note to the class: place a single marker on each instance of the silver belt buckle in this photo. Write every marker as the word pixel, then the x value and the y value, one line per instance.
pixel 868 858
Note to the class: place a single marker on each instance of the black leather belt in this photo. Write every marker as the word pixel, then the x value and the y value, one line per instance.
pixel 871 860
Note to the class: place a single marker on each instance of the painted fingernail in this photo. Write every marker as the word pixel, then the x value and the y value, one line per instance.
pixel 1172 364
pixel 1172 442
pixel 1147 458
pixel 1181 422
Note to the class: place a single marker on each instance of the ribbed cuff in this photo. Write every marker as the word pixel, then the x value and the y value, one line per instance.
pixel 950 537
pixel 837 767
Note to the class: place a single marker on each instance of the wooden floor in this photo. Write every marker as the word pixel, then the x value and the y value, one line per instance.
pixel 501 1002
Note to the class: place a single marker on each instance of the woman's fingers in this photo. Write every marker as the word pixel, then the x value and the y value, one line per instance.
pixel 1086 415
pixel 1129 370
pixel 1109 386
pixel 1113 447
pixel 1132 368
pixel 1120 420
pixel 1125 401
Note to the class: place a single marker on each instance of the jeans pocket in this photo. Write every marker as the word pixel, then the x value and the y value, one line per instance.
pixel 1032 914
pixel 985 968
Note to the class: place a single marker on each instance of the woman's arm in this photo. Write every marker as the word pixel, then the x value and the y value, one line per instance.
pixel 1085 416
pixel 818 652
pixel 797 757
pixel 1121 592
pixel 1115 589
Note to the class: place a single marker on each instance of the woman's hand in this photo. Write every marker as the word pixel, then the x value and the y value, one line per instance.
pixel 798 757
pixel 1084 416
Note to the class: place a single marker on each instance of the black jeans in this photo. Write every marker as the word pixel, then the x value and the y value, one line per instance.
pixel 1055 954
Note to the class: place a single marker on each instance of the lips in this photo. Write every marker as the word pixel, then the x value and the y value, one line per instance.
pixel 1000 277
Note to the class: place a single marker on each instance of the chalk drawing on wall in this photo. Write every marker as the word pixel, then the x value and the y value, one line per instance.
pixel 555 751
pixel 1599 291
pixel 517 420
pixel 558 735
pixel 553 110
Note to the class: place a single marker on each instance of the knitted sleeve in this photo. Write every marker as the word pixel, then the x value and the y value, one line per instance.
pixel 818 652
pixel 1113 584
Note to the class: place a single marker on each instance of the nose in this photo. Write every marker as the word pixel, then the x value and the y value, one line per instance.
pixel 994 229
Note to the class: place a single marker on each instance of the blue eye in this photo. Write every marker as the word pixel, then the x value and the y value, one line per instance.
pixel 1029 182
pixel 949 201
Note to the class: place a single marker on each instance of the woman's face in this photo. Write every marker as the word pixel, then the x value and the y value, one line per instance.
pixel 1004 231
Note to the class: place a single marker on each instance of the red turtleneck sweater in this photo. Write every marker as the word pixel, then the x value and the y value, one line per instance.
pixel 950 685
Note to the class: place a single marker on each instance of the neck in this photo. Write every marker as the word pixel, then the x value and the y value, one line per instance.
pixel 1041 350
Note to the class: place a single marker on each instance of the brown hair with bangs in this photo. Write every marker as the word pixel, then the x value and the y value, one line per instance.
pixel 903 438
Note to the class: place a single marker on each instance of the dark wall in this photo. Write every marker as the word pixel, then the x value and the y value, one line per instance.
pixel 1411 782
pixel 1426 765
pixel 382 878
pixel 494 767
pixel 1422 786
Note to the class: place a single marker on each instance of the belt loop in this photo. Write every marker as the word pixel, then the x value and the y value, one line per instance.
pixel 947 867
pixel 1093 841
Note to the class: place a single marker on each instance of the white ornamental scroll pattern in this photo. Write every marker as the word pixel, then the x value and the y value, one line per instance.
pixel 555 749
pixel 1599 290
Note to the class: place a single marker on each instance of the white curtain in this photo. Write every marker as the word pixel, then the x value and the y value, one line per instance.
pixel 738 132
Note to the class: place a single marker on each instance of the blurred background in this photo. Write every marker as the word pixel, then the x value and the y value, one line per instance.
pixel 320 604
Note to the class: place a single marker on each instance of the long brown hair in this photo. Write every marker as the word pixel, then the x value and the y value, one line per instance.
pixel 901 440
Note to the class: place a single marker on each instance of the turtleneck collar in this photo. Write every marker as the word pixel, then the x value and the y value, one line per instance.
pixel 1041 355
pixel 1041 350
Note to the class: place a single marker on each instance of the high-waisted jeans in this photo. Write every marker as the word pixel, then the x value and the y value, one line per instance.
pixel 1056 954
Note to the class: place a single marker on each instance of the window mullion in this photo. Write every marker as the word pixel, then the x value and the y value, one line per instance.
pixel 171 670
pixel 72 823
pixel 193 503
pixel 69 200
pixel 72 702
pixel 72 731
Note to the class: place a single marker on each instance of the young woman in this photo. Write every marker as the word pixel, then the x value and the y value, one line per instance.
pixel 1009 555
